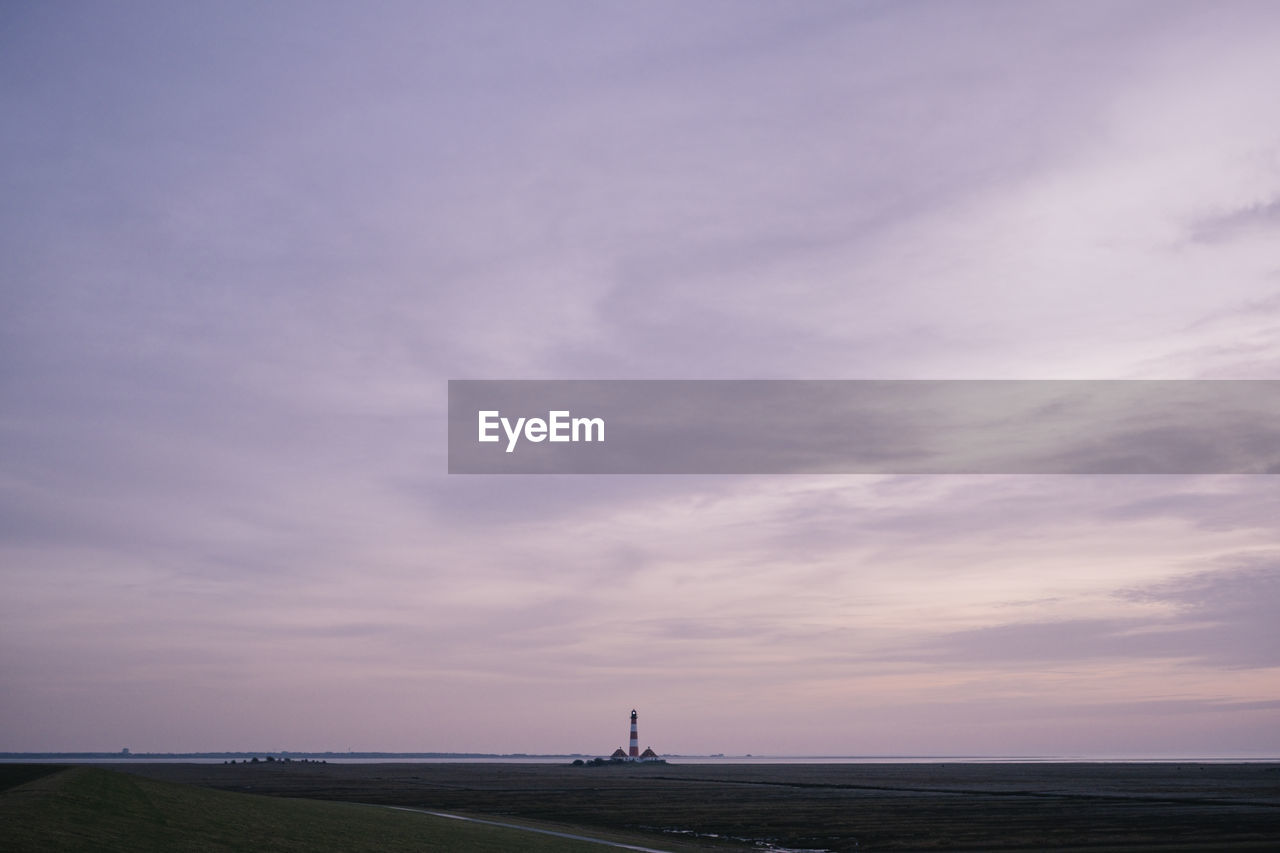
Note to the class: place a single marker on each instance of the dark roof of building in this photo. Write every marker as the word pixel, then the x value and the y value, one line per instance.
pixel 648 753
pixel 618 753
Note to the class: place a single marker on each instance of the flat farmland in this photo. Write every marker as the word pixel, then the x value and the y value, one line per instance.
pixel 834 807
pixel 86 808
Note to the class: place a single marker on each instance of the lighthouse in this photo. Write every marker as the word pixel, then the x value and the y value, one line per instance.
pixel 635 738
pixel 622 756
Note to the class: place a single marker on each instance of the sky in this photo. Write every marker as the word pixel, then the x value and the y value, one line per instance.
pixel 244 246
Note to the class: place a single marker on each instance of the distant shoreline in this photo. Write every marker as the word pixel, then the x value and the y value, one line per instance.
pixel 408 757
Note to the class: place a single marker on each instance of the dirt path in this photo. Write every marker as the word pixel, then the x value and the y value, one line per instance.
pixel 615 844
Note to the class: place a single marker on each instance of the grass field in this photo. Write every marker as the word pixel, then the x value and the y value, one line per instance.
pixel 836 807
pixel 45 808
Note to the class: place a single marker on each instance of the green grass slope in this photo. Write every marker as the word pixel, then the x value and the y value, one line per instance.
pixel 12 775
pixel 90 809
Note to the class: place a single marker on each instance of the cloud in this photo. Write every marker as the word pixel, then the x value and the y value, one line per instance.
pixel 1263 217
pixel 243 250
pixel 1220 618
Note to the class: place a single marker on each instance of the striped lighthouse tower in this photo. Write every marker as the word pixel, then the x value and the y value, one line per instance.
pixel 635 738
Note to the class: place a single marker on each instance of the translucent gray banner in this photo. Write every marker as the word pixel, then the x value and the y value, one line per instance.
pixel 864 427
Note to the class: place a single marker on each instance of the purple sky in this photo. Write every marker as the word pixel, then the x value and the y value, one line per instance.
pixel 244 246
